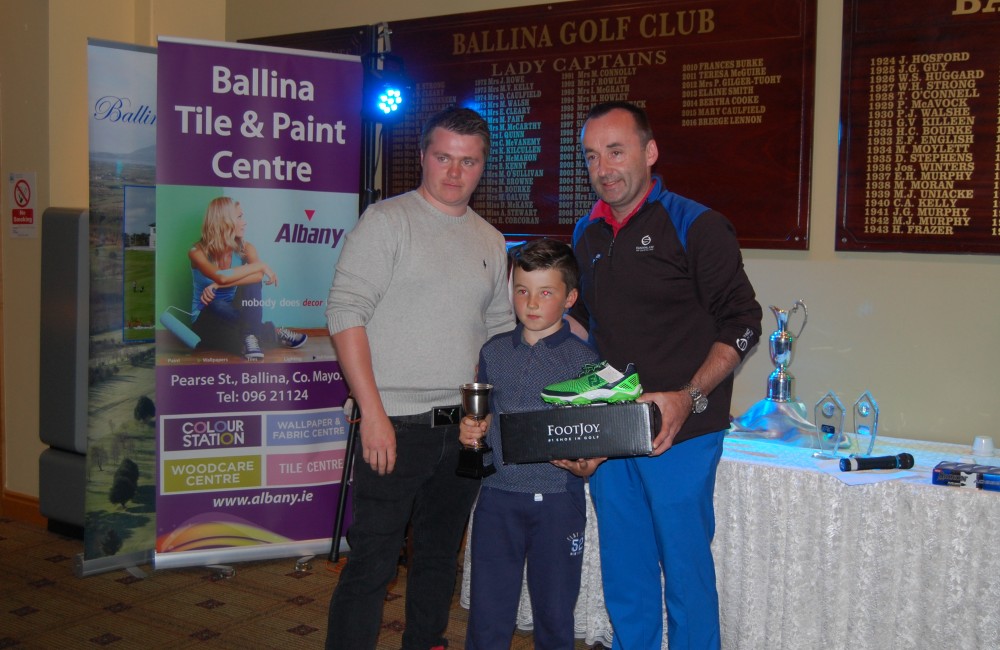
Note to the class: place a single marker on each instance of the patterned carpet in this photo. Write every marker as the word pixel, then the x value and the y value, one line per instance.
pixel 264 605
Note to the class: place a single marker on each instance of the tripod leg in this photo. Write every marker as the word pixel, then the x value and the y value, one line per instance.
pixel 354 421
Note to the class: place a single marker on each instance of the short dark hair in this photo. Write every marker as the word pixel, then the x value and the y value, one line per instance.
pixel 638 114
pixel 457 119
pixel 544 254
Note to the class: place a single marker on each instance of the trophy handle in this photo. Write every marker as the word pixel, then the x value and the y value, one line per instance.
pixel 805 315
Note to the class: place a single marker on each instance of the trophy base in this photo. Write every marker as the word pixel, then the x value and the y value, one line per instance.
pixel 472 463
pixel 783 422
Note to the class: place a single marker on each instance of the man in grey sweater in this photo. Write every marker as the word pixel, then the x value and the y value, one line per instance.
pixel 420 285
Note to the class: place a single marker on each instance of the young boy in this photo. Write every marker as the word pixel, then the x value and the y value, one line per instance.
pixel 534 512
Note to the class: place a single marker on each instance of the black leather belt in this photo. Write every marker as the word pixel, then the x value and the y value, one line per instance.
pixel 439 416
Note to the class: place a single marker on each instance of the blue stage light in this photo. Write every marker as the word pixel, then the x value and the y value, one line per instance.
pixel 386 89
pixel 390 100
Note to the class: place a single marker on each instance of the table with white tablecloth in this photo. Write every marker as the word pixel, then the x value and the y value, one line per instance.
pixel 804 560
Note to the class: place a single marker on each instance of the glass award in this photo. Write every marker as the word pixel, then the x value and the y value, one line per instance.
pixel 865 424
pixel 829 417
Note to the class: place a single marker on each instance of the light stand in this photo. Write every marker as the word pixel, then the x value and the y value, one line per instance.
pixel 383 72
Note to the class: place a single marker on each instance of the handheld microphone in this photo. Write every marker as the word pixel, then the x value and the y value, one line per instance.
pixel 899 461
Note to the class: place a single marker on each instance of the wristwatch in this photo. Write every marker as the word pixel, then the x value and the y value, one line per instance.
pixel 698 401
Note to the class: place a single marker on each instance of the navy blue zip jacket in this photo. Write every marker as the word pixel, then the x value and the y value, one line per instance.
pixel 662 291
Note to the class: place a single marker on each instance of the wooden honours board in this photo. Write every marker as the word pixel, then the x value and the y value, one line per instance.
pixel 920 141
pixel 728 87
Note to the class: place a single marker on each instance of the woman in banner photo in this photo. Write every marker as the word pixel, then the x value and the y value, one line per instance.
pixel 228 276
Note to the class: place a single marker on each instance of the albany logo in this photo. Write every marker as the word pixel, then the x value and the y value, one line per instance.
pixel 300 234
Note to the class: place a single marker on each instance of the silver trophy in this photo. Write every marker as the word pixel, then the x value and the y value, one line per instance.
pixel 780 382
pixel 779 416
pixel 829 415
pixel 472 459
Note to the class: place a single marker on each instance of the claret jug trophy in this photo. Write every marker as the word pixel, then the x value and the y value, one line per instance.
pixel 779 383
pixel 779 416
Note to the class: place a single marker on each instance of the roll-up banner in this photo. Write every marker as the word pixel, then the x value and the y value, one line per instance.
pixel 120 519
pixel 258 167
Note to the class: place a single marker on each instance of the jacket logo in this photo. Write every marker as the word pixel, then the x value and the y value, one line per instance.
pixel 744 341
pixel 645 244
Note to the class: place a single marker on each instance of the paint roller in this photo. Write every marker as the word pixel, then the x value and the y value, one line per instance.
pixel 179 329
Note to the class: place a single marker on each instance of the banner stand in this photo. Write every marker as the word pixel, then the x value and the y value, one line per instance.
pixel 130 562
pixel 120 238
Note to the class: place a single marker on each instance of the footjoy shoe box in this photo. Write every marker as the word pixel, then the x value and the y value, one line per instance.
pixel 982 477
pixel 613 430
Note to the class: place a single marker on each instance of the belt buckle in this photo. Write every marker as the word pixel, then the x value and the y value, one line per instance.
pixel 444 415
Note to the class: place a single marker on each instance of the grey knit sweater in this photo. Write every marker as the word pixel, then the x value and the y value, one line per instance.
pixel 430 289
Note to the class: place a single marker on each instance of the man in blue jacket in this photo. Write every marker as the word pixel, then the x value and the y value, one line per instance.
pixel 662 286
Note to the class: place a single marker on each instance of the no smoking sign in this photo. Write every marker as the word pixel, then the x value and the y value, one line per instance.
pixel 22 212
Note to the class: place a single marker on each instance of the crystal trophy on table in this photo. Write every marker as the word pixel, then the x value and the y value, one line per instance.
pixel 472 458
pixel 865 424
pixel 829 414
